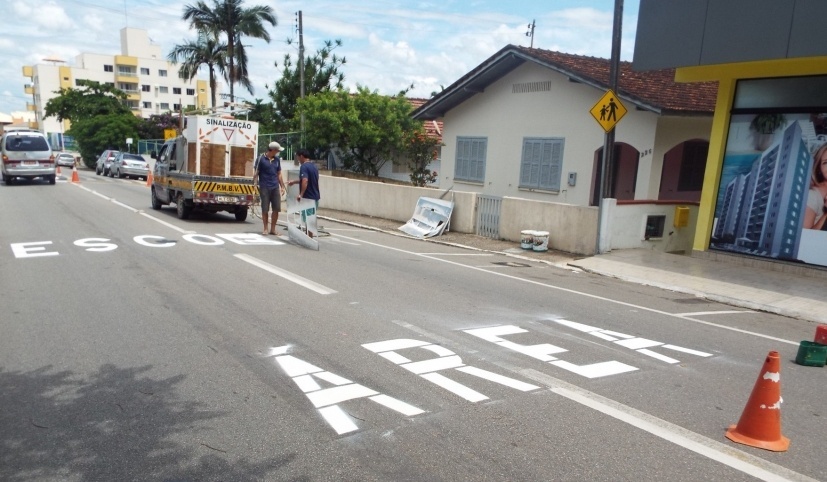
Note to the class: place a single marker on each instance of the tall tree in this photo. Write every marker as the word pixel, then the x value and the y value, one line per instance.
pixel 228 17
pixel 369 129
pixel 321 73
pixel 88 99
pixel 207 51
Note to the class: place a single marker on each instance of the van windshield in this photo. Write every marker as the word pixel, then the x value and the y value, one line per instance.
pixel 26 143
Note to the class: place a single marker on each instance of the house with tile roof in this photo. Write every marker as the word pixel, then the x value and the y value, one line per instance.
pixel 519 125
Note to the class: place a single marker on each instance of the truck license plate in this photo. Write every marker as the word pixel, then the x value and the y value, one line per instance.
pixel 225 199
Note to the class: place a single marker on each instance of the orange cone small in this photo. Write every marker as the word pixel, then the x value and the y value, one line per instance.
pixel 760 422
pixel 149 179
pixel 75 177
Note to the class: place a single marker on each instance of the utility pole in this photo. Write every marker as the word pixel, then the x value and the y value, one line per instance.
pixel 530 33
pixel 607 166
pixel 301 66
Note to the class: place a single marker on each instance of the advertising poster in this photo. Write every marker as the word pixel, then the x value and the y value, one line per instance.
pixel 771 199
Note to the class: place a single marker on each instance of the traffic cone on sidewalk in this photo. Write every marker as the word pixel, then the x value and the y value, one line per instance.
pixel 75 177
pixel 760 423
pixel 149 179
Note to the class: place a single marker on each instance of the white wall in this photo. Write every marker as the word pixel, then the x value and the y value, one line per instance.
pixel 505 118
pixel 627 226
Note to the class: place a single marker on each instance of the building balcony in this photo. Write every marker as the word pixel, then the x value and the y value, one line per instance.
pixel 126 60
pixel 29 89
pixel 126 78
pixel 28 71
pixel 31 107
pixel 133 95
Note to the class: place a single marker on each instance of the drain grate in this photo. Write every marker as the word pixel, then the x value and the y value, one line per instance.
pixel 511 264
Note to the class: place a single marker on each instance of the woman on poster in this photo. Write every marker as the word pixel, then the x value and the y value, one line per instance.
pixel 814 214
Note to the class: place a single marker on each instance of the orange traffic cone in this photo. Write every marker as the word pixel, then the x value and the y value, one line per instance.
pixel 760 423
pixel 149 179
pixel 57 171
pixel 75 177
pixel 821 335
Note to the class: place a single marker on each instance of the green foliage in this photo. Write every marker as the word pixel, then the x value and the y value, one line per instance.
pixel 153 128
pixel 368 128
pixel 206 50
pixel 90 99
pixel 96 134
pixel 265 115
pixel 421 151
pixel 230 18
pixel 321 73
pixel 767 123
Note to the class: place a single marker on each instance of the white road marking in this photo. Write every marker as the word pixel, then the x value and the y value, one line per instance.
pixel 686 350
pixel 497 378
pixel 725 312
pixel 335 395
pixel 581 293
pixel 658 356
pixel 338 419
pixel 456 388
pixel 711 449
pixel 595 370
pixel 457 254
pixel 638 343
pixel 397 405
pixel 433 365
pixel 399 344
pixel 299 280
pixel 337 240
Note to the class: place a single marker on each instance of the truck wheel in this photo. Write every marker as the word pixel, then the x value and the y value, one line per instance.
pixel 156 204
pixel 241 214
pixel 183 210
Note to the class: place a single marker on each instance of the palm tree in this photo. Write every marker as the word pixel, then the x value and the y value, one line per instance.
pixel 228 17
pixel 206 50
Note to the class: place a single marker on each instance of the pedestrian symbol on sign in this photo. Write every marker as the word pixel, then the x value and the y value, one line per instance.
pixel 608 111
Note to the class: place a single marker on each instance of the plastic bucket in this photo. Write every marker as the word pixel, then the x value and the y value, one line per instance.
pixel 811 354
pixel 540 241
pixel 527 239
pixel 821 335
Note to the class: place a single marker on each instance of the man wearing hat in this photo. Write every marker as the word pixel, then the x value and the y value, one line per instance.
pixel 270 185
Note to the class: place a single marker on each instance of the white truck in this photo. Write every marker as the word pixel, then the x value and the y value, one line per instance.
pixel 208 168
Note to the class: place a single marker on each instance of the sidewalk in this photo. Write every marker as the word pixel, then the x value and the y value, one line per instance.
pixel 755 288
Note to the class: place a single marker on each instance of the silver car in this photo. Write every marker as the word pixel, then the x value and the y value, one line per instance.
pixel 104 161
pixel 65 159
pixel 126 165
pixel 26 154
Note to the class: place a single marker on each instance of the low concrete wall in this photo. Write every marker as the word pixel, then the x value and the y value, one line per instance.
pixel 391 201
pixel 571 228
pixel 627 226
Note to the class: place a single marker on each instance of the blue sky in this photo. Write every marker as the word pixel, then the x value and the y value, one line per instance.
pixel 388 45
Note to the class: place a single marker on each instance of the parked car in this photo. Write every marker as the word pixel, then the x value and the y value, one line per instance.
pixel 104 161
pixel 65 159
pixel 26 154
pixel 126 164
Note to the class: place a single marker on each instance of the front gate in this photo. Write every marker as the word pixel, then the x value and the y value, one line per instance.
pixel 488 216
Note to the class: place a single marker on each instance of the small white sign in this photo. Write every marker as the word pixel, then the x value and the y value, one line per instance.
pixel 129 140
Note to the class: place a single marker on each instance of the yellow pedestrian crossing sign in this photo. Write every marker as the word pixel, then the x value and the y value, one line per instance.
pixel 608 111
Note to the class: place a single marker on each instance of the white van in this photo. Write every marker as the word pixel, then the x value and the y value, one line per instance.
pixel 26 154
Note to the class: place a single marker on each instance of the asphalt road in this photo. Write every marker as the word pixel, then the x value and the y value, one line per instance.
pixel 136 346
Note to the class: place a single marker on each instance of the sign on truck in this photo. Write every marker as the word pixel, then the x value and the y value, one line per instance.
pixel 209 168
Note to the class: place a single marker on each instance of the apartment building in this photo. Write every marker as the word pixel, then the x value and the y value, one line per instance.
pixel 151 83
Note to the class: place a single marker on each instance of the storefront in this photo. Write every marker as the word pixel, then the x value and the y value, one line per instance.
pixel 765 182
